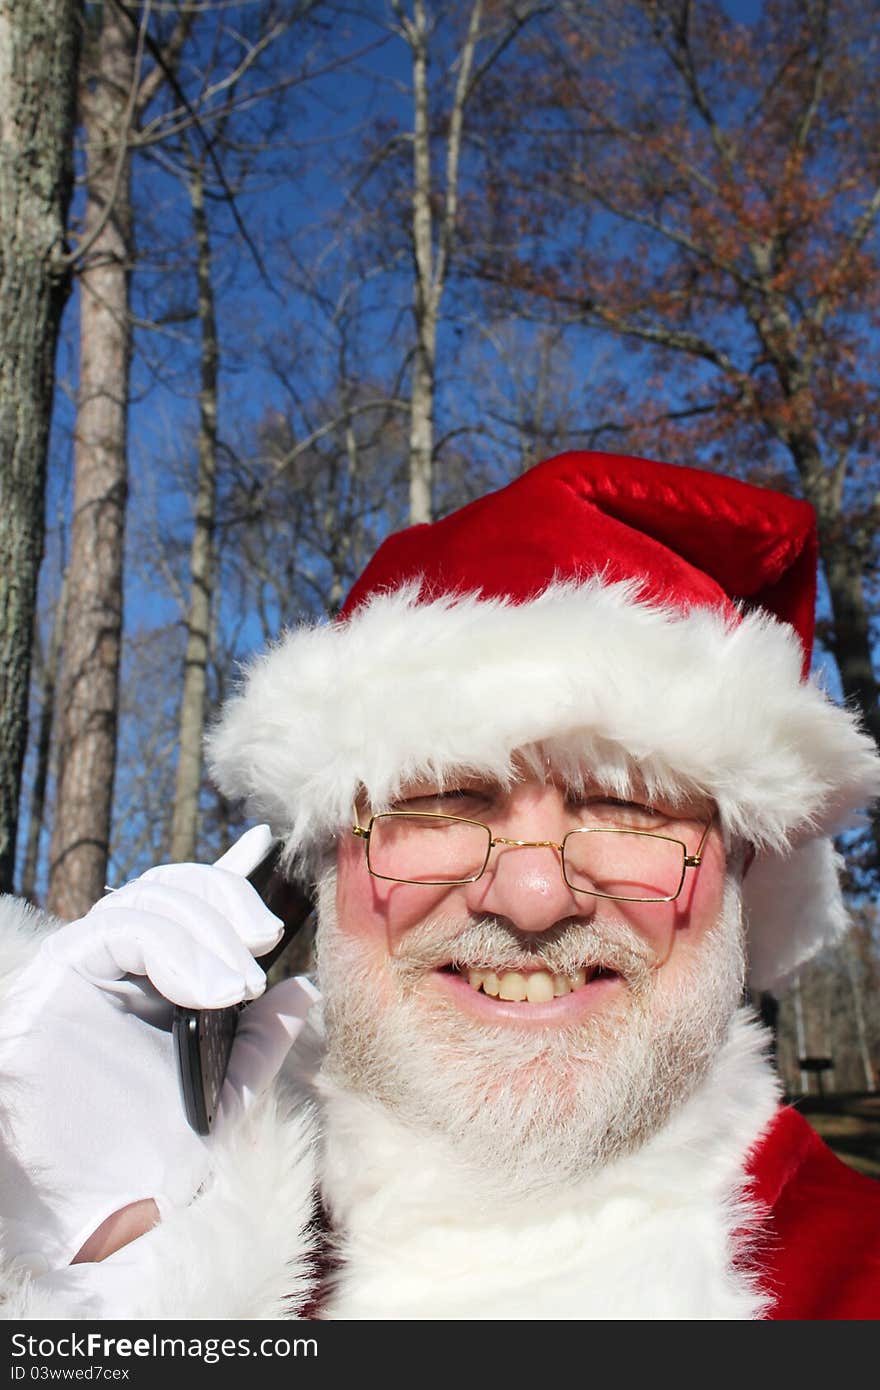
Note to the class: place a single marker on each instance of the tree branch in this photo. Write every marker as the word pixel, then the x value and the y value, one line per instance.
pixel 154 79
pixel 453 151
pixel 845 259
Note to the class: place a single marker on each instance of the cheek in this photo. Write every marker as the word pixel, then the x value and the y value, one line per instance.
pixel 374 910
pixel 703 897
pixel 679 925
pixel 701 902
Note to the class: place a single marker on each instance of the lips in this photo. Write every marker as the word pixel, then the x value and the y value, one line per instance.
pixel 532 996
pixel 533 986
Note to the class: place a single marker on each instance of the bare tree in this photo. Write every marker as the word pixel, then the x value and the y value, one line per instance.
pixel 240 139
pixel 825 1014
pixel 531 397
pixel 184 828
pixel 115 91
pixel 439 109
pixel 47 667
pixel 430 264
pixel 39 53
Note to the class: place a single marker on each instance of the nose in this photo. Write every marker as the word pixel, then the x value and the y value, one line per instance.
pixel 524 884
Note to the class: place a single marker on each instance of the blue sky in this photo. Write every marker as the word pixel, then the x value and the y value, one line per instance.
pixel 284 212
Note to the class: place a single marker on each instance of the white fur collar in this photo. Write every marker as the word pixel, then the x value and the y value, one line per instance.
pixel 655 1235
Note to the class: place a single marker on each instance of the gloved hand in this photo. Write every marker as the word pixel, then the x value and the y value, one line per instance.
pixel 94 1117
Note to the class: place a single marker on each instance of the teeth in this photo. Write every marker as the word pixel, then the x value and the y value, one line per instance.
pixel 536 986
pixel 539 987
pixel 512 986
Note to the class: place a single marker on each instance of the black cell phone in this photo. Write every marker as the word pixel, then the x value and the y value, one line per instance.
pixel 203 1038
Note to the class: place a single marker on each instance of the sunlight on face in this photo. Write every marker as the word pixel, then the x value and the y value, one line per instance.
pixel 535 1092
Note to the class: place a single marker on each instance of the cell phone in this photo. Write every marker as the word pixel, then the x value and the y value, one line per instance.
pixel 203 1038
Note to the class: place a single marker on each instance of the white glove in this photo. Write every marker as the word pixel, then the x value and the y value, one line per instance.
pixel 95 1119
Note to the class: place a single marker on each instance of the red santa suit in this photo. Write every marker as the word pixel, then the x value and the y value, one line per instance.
pixel 818 1245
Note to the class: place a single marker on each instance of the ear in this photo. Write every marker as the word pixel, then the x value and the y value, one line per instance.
pixel 748 858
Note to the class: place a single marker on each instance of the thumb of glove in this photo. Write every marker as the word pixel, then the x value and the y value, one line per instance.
pixel 267 1030
pixel 247 852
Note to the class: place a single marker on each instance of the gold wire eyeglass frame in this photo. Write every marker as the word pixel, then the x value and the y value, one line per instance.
pixel 689 861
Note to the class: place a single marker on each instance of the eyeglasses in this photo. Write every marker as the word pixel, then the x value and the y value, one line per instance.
pixel 635 866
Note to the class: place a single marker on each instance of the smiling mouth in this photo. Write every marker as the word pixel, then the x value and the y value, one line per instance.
pixel 532 986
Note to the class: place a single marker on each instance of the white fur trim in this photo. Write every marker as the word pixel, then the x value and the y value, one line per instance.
pixel 21 930
pixel 242 1249
pixel 661 1233
pixel 793 908
pixel 591 674
pixel 403 688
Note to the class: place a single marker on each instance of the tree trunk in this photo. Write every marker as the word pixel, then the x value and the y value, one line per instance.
pixel 90 671
pixel 185 823
pixel 800 1035
pixel 843 562
pixel 827 1080
pixel 432 264
pixel 39 56
pixel 851 637
pixel 843 557
pixel 864 1049
pixel 48 684
pixel 421 439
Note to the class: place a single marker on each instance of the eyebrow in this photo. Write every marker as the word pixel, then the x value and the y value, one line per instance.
pixel 436 787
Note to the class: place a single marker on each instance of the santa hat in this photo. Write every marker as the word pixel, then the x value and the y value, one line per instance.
pixel 600 611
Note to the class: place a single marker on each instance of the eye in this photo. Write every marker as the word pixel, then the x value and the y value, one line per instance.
pixel 612 810
pixel 448 801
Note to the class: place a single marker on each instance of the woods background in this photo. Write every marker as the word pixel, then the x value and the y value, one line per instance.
pixel 287 276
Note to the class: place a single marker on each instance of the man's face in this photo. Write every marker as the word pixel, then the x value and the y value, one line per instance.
pixel 540 1029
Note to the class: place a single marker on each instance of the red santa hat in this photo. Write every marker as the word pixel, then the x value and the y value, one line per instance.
pixel 636 618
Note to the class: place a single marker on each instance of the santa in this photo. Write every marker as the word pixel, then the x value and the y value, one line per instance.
pixel 562 786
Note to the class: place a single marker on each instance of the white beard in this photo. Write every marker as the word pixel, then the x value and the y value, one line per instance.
pixel 529 1109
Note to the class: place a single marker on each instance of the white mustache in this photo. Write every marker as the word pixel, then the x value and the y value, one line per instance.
pixel 491 943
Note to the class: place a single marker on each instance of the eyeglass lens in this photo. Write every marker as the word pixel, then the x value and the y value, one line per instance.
pixel 427 849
